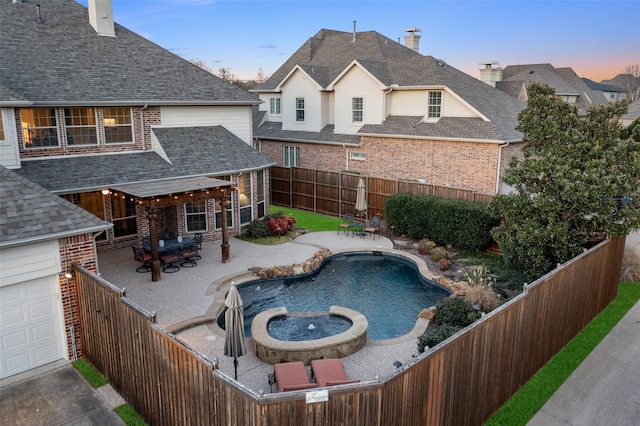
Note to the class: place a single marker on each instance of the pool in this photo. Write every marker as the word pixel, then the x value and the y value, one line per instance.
pixel 386 288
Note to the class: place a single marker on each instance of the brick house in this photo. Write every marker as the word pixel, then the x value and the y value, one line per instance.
pixel 87 106
pixel 361 102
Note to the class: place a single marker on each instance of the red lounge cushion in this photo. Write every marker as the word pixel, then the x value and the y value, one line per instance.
pixel 300 386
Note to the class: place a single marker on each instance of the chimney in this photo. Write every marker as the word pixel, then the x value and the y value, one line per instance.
pixel 490 72
pixel 101 17
pixel 412 40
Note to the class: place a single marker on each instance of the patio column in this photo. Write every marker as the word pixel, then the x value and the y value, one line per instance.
pixel 225 232
pixel 153 236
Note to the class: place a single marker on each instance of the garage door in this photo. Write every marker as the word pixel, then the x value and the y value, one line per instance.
pixel 31 331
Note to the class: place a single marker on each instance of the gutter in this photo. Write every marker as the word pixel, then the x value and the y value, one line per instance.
pixel 55 236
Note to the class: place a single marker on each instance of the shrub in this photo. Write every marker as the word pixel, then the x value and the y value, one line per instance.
pixel 630 266
pixel 258 229
pixel 479 277
pixel 483 297
pixel 425 246
pixel 438 253
pixel 280 224
pixel 453 311
pixel 434 336
pixel 444 264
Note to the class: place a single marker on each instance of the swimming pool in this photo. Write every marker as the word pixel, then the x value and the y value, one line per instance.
pixel 386 288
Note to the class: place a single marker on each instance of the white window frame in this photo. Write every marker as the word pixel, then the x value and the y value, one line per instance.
pixel 358 156
pixel 434 105
pixel 30 134
pixel 245 198
pixel 275 106
pixel 357 112
pixel 113 123
pixel 69 125
pixel 187 214
pixel 300 110
pixel 261 207
pixel 291 156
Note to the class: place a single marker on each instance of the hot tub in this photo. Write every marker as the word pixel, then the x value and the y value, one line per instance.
pixel 274 351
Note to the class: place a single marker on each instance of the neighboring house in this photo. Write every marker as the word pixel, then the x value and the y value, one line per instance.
pixel 515 79
pixel 87 105
pixel 610 92
pixel 633 113
pixel 629 82
pixel 361 102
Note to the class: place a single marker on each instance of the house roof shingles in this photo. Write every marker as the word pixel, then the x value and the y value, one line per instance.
pixel 76 66
pixel 30 212
pixel 325 55
pixel 191 151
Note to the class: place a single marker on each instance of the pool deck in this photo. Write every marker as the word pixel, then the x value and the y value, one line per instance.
pixel 185 299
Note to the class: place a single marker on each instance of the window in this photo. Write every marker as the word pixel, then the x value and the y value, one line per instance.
pixel 196 215
pixel 39 127
pixel 435 105
pixel 93 202
pixel 117 125
pixel 218 213
pixel 357 109
pixel 244 189
pixel 260 195
pixel 274 107
pixel 80 126
pixel 124 216
pixel 353 155
pixel 291 156
pixel 299 109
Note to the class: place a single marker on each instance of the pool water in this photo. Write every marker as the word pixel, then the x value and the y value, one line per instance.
pixel 387 289
pixel 293 328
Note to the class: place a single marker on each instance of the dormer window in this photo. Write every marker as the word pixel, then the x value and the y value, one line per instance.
pixel 300 109
pixel 434 106
pixel 357 110
pixel 274 106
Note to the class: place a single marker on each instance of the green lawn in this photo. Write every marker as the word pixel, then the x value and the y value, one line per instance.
pixel 307 220
pixel 534 394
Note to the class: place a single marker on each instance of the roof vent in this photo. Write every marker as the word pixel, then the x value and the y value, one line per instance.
pixel 39 19
pixel 354 32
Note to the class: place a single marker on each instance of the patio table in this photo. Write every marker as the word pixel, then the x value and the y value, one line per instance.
pixel 170 244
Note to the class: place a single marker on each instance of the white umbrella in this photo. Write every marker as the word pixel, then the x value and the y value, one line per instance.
pixel 361 196
pixel 234 344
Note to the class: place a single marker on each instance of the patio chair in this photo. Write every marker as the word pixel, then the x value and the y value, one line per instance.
pixel 198 238
pixel 146 242
pixel 347 223
pixel 142 257
pixel 189 253
pixel 291 376
pixel 169 259
pixel 330 372
pixel 168 235
pixel 373 227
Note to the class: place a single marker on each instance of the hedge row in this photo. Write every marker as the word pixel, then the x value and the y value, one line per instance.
pixel 462 224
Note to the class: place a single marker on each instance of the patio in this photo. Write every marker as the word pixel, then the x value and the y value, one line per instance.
pixel 186 297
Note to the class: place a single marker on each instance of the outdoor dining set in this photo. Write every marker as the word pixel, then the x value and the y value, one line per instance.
pixel 350 224
pixel 174 252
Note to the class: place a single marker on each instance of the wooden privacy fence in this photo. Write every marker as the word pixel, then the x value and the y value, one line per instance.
pixel 462 381
pixel 334 193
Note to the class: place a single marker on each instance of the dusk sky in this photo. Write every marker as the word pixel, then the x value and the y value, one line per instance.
pixel 598 39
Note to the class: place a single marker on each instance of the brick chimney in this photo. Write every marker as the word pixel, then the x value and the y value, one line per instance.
pixel 101 17
pixel 412 40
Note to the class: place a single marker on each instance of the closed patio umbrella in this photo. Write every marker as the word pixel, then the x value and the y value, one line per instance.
pixel 234 344
pixel 361 196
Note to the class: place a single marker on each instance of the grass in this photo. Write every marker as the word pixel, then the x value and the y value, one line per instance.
pixel 525 403
pixel 95 379
pixel 309 221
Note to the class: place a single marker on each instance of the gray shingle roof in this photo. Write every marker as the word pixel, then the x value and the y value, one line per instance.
pixel 63 61
pixel 273 130
pixel 633 111
pixel 191 151
pixel 29 212
pixel 328 53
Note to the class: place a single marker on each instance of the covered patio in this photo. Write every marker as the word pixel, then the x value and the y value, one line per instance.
pixel 153 196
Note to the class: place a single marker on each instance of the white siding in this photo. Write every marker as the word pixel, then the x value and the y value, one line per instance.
pixel 29 262
pixel 266 106
pixel 300 86
pixel 414 102
pixel 236 119
pixel 9 153
pixel 357 84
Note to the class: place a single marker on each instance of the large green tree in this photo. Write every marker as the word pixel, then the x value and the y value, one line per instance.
pixel 577 182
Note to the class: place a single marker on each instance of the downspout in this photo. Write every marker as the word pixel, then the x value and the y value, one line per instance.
pixel 384 102
pixel 500 162
pixel 346 159
pixel 142 125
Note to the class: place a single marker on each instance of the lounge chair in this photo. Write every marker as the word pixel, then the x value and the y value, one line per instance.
pixel 291 376
pixel 330 372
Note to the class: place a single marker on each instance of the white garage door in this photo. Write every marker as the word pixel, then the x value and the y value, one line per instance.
pixel 31 331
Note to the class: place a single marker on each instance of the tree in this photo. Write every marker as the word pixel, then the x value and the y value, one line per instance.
pixel 577 183
pixel 261 77
pixel 202 64
pixel 632 84
pixel 225 74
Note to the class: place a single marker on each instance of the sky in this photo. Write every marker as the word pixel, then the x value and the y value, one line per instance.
pixel 598 39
